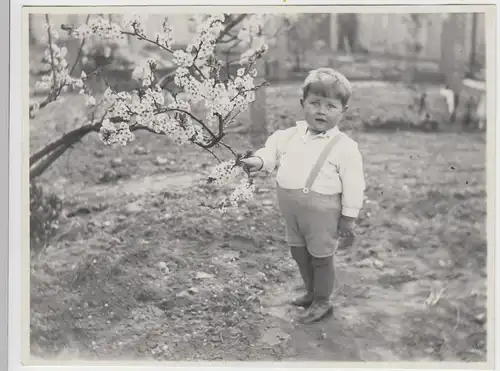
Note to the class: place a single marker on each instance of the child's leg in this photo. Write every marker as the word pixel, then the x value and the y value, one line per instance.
pixel 297 243
pixel 324 277
pixel 319 227
pixel 303 259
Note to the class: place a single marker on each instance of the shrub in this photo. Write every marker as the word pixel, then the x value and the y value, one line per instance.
pixel 45 211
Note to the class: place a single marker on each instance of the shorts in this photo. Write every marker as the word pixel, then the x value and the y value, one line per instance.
pixel 311 220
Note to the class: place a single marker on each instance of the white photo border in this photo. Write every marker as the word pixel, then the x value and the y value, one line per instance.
pixel 17 168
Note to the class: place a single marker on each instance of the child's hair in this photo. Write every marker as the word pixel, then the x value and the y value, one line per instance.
pixel 328 83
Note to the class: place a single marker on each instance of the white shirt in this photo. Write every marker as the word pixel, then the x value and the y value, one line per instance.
pixel 295 151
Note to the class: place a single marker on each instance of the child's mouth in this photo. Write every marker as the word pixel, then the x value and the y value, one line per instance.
pixel 321 120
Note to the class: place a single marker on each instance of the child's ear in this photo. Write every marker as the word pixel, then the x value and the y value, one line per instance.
pixel 345 108
pixel 302 102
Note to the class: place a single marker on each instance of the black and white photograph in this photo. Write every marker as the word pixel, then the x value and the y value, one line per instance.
pixel 216 184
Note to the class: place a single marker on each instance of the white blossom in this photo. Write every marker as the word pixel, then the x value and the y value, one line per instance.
pixel 224 173
pixel 251 27
pixel 111 133
pixel 183 59
pixel 165 38
pixel 89 100
pixel 244 191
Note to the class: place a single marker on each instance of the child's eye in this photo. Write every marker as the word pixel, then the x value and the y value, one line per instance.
pixel 330 106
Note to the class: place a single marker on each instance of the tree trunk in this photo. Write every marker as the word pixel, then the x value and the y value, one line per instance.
pixel 472 58
pixel 347 26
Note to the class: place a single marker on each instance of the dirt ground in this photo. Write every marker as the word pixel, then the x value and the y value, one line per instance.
pixel 140 270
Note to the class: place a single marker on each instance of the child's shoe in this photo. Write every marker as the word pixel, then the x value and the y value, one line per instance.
pixel 303 301
pixel 316 312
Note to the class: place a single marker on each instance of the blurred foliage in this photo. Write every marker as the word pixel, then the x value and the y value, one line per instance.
pixel 45 211
pixel 306 36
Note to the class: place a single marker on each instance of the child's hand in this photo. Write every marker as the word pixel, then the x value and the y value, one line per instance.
pixel 253 163
pixel 346 226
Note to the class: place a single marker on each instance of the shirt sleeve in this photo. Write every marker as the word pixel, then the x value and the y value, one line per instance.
pixel 271 150
pixel 353 181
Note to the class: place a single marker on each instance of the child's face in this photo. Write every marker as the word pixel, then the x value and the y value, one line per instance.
pixel 322 113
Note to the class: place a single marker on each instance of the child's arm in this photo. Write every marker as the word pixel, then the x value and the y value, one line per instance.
pixel 266 158
pixel 353 187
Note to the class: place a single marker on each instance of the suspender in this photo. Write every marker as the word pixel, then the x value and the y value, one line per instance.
pixel 320 162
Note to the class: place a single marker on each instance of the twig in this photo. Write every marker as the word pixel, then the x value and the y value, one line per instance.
pixel 197 69
pixel 231 38
pixel 209 150
pixel 253 296
pixel 141 37
pixel 232 118
pixel 458 320
pixel 146 128
pixel 142 127
pixel 213 142
pixel 221 122
pixel 228 54
pixel 192 116
pixel 249 90
pixel 80 50
pixel 47 19
pixel 164 80
pixel 194 66
pixel 228 147
pixel 54 94
pixel 197 51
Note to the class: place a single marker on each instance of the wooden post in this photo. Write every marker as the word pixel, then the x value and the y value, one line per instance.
pixel 333 32
pixel 277 40
pixel 453 55
pixel 258 120
pixel 472 57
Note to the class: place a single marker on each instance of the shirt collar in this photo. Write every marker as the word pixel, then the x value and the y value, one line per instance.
pixel 326 134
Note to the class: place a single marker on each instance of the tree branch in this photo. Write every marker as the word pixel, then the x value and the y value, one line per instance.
pixel 65 138
pixel 49 160
pixel 56 92
pixel 46 156
pixel 55 149
pixel 230 26
pixel 231 38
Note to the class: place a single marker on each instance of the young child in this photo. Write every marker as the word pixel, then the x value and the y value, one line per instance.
pixel 320 185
